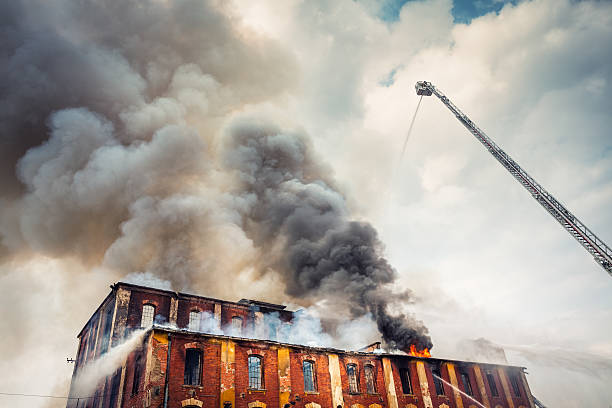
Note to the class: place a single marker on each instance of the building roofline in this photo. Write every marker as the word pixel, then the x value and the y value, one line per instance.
pixel 324 349
pixel 241 304
pixel 96 311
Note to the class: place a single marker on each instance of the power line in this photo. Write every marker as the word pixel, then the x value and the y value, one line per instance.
pixel 17 394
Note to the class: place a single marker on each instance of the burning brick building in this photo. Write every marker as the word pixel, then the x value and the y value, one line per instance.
pixel 184 360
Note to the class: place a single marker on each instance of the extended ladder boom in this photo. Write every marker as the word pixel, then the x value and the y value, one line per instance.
pixel 596 247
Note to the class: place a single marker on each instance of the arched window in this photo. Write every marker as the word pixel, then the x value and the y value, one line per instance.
pixel 309 376
pixel 351 372
pixel 255 371
pixel 237 325
pixel 193 367
pixel 368 371
pixel 195 319
pixel 148 313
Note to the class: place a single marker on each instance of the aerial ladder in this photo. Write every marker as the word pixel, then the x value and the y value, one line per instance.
pixel 595 246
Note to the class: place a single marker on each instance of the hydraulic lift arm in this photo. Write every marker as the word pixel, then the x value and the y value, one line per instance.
pixel 596 247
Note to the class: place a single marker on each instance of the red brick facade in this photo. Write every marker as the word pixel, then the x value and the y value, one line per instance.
pixel 148 379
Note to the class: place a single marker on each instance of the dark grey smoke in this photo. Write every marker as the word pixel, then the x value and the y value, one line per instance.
pixel 302 221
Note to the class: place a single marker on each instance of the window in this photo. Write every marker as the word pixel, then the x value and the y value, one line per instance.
pixel 309 378
pixel 195 318
pixel 492 385
pixel 136 380
pixel 255 380
pixel 351 372
pixel 108 323
pixel 193 367
pixel 437 377
pixel 467 385
pixel 368 371
pixel 148 313
pixel 515 385
pixel 237 325
pixel 115 382
pixel 406 382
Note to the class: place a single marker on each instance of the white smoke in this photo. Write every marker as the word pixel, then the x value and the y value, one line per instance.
pixel 306 328
pixel 90 375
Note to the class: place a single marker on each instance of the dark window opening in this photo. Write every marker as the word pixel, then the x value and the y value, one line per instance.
pixel 515 385
pixel 108 323
pixel 309 379
pixel 193 367
pixel 467 385
pixel 137 373
pixel 368 371
pixel 115 388
pixel 255 378
pixel 437 377
pixel 492 385
pixel 406 382
pixel 351 372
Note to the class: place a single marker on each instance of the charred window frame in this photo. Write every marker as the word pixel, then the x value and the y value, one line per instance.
pixel 406 381
pixel 193 367
pixel 91 338
pixel 515 385
pixel 137 374
pixel 310 384
pixel 237 325
pixel 108 324
pixel 492 384
pixel 467 385
pixel 115 382
pixel 370 378
pixel 437 377
pixel 256 372
pixel 195 320
pixel 353 383
pixel 148 315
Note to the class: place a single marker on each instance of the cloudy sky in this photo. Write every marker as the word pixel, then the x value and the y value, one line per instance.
pixel 120 152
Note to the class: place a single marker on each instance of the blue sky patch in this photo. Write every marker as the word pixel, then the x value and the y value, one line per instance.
pixel 463 10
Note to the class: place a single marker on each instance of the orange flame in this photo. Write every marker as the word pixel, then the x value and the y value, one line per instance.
pixel 422 353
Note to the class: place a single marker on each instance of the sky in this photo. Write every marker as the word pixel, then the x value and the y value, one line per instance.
pixel 119 138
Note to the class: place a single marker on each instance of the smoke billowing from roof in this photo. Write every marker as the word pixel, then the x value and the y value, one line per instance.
pixel 123 124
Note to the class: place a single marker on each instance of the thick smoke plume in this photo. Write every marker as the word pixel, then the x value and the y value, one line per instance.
pixel 127 147
pixel 302 220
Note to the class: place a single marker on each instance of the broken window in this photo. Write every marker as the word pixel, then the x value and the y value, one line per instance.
pixel 437 377
pixel 148 313
pixel 237 325
pixel 195 318
pixel 108 324
pixel 137 371
pixel 193 367
pixel 351 372
pixel 309 379
pixel 368 371
pixel 406 382
pixel 255 380
pixel 515 385
pixel 467 385
pixel 492 385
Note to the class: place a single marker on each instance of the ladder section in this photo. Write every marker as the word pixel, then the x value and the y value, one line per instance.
pixel 596 247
